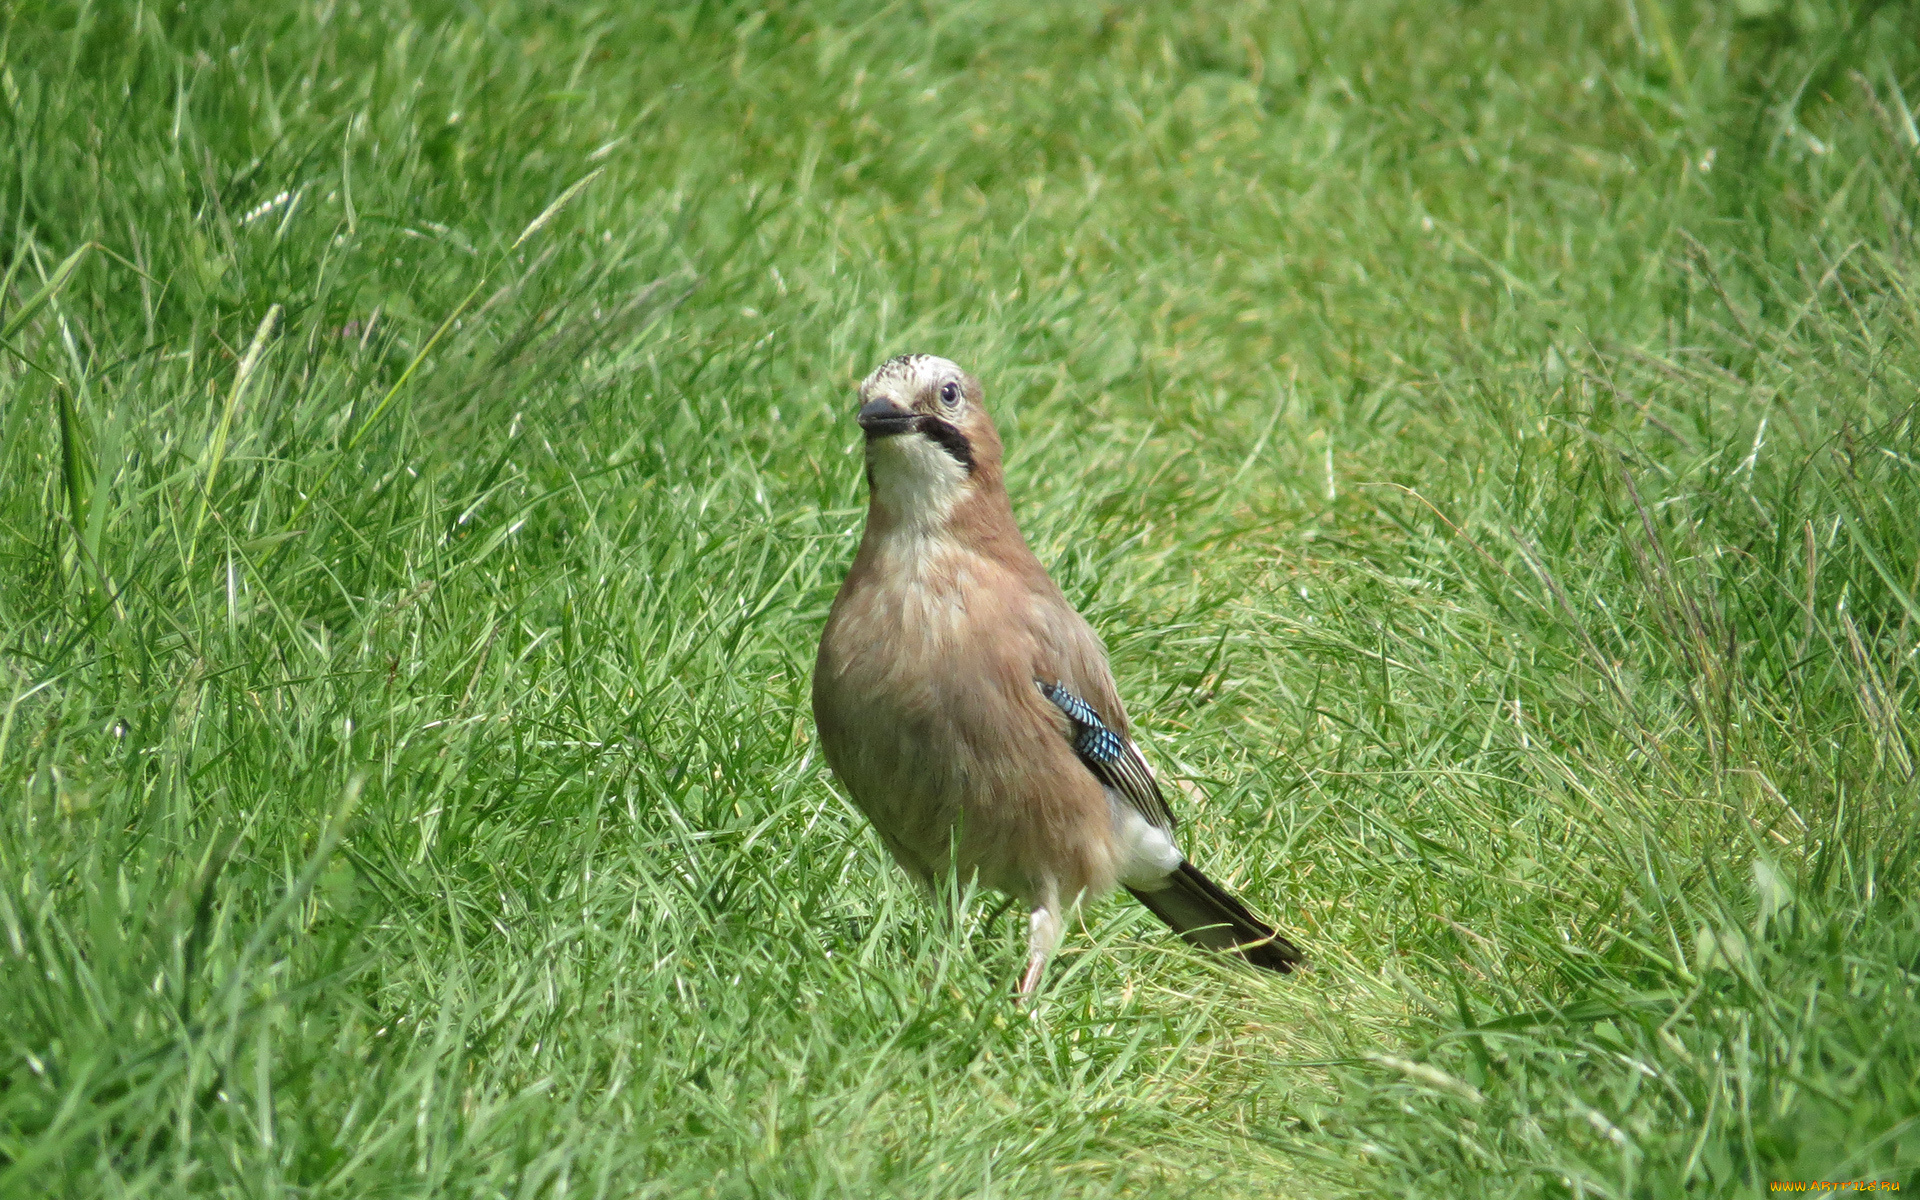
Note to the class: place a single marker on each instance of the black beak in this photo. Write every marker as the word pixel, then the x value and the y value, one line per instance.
pixel 883 418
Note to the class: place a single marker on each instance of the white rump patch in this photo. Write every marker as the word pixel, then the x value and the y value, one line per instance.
pixel 1143 853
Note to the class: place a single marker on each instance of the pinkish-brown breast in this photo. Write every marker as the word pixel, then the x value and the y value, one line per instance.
pixel 925 701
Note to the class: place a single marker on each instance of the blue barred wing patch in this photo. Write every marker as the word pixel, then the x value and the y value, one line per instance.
pixel 1091 737
pixel 1114 760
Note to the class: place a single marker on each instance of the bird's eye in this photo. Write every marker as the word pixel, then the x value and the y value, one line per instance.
pixel 950 394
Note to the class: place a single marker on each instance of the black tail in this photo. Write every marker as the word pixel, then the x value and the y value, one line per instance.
pixel 1206 914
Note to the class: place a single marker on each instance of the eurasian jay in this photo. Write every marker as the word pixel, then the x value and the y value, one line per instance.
pixel 968 709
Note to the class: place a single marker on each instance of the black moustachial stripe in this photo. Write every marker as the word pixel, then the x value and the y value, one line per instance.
pixel 948 438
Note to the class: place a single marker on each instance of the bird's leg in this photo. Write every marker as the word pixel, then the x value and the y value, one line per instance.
pixel 1043 930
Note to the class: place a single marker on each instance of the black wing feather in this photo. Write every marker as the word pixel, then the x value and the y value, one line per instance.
pixel 1113 759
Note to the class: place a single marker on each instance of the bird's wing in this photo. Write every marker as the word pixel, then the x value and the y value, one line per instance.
pixel 1112 758
pixel 1070 668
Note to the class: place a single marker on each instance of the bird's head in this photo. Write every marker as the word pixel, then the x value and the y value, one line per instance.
pixel 929 440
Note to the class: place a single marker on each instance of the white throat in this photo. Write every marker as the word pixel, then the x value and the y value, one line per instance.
pixel 915 482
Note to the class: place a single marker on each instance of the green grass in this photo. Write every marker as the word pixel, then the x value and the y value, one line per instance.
pixel 1485 435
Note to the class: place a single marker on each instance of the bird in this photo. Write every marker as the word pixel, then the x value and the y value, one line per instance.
pixel 967 707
